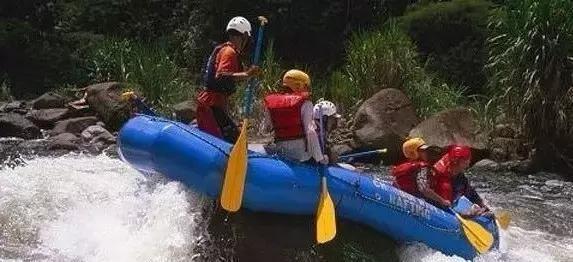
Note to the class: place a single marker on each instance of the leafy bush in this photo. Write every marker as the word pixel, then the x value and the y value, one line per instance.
pixel 531 69
pixel 451 38
pixel 387 58
pixel 147 67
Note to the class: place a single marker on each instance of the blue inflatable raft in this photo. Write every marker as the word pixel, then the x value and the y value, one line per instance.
pixel 274 184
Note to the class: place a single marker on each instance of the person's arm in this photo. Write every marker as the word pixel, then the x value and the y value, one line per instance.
pixel 228 67
pixel 311 133
pixel 424 188
pixel 470 192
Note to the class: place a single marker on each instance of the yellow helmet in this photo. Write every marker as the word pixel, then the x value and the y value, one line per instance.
pixel 296 80
pixel 411 146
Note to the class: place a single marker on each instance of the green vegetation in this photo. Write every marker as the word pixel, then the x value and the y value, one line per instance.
pixel 147 67
pixel 451 39
pixel 387 58
pixel 531 65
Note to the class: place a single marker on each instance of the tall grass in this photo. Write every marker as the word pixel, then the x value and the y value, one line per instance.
pixel 531 66
pixel 387 58
pixel 146 67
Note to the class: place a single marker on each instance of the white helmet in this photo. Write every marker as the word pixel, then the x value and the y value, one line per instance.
pixel 325 108
pixel 239 24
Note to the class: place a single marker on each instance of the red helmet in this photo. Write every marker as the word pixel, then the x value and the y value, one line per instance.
pixel 460 152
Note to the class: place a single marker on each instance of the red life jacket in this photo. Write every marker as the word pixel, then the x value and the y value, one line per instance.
pixel 442 179
pixel 405 176
pixel 286 115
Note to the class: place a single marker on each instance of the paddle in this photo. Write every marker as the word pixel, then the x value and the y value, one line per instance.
pixel 377 151
pixel 503 218
pixel 235 174
pixel 325 214
pixel 479 237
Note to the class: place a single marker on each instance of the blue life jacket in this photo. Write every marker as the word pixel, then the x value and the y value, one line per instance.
pixel 224 84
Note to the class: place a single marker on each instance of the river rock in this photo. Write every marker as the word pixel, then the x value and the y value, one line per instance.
pixel 520 167
pixel 66 141
pixel 383 121
pixel 554 183
pixel 506 149
pixel 46 118
pixel 96 133
pixel 73 125
pixel 504 130
pixel 185 111
pixel 105 100
pixel 453 126
pixel 486 165
pixel 19 107
pixel 16 125
pixel 49 100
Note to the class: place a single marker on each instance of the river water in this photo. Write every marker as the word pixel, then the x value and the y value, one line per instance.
pixel 96 208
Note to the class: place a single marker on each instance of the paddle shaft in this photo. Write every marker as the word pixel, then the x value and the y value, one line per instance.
pixel 378 151
pixel 253 82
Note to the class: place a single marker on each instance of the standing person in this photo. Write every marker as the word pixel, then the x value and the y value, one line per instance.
pixel 222 73
pixel 415 176
pixel 290 115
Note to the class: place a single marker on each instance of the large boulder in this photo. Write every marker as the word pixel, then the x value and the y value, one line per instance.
pixel 105 100
pixel 48 100
pixel 453 126
pixel 185 111
pixel 66 141
pixel 45 118
pixel 383 121
pixel 16 125
pixel 73 125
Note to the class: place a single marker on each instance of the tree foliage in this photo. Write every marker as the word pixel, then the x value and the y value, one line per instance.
pixel 451 38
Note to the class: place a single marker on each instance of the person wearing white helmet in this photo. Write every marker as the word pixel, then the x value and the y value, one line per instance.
pixel 222 72
pixel 289 114
pixel 327 111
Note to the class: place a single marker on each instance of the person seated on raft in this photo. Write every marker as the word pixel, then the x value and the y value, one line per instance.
pixel 415 176
pixel 327 111
pixel 452 183
pixel 289 114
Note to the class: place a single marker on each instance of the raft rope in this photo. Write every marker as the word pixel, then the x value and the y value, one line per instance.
pixel 351 184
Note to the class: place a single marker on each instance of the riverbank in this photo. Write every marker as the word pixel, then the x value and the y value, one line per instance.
pixel 54 124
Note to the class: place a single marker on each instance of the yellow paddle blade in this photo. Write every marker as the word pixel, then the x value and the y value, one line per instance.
pixel 325 217
pixel 234 183
pixel 503 219
pixel 479 237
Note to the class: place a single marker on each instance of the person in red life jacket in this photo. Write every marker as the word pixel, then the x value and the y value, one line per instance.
pixel 415 175
pixel 460 183
pixel 290 115
pixel 222 72
pixel 451 183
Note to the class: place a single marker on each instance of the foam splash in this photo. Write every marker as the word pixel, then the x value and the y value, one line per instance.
pixel 516 245
pixel 92 209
